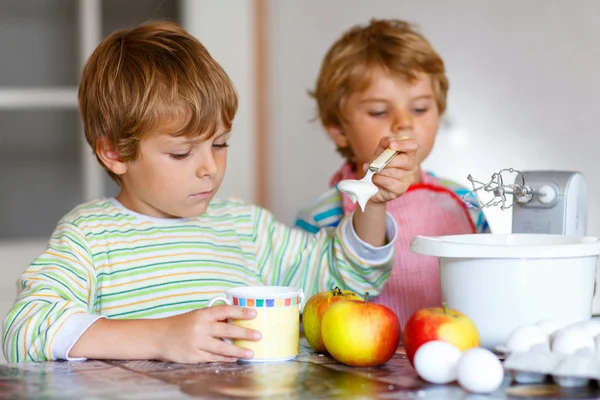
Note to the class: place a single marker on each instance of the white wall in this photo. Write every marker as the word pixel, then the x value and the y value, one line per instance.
pixel 524 90
pixel 226 28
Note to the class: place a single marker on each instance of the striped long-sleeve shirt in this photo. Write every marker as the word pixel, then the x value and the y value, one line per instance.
pixel 106 261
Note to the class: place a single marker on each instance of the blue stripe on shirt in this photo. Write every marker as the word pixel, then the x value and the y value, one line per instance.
pixel 485 227
pixel 460 192
pixel 329 213
pixel 306 226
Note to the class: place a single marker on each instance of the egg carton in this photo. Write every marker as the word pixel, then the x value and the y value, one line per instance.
pixel 567 371
pixel 569 355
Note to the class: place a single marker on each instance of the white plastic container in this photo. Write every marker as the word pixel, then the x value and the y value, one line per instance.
pixel 504 281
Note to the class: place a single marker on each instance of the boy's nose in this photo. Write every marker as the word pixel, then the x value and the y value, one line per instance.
pixel 402 122
pixel 208 167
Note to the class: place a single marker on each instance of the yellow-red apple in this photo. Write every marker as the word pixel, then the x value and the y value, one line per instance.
pixel 360 334
pixel 439 323
pixel 313 312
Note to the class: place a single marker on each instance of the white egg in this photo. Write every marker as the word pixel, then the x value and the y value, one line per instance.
pixel 436 361
pixel 525 337
pixel 480 371
pixel 591 327
pixel 549 326
pixel 541 348
pixel 571 340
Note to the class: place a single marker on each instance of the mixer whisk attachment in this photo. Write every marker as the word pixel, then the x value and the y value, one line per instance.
pixel 519 191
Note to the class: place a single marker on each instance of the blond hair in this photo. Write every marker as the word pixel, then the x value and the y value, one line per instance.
pixel 138 79
pixel 391 45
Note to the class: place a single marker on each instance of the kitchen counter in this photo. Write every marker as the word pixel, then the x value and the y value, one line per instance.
pixel 309 376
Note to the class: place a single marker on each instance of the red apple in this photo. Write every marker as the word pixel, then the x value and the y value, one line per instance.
pixel 313 312
pixel 360 334
pixel 439 323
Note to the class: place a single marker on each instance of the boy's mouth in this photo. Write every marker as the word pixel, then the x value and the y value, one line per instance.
pixel 201 195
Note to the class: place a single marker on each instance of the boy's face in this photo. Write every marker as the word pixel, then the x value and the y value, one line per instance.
pixel 388 107
pixel 174 176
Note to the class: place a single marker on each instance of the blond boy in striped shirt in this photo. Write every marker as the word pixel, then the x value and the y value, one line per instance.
pixel 129 277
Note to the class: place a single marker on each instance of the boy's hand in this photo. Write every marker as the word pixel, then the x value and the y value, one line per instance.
pixel 395 179
pixel 194 337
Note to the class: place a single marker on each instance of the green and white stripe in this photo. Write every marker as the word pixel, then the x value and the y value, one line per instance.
pixel 105 260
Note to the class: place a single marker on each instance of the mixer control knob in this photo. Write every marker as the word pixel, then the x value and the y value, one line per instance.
pixel 547 194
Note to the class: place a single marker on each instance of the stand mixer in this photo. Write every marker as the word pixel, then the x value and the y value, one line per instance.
pixel 544 270
pixel 553 202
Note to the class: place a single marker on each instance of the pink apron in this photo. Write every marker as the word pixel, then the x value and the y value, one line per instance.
pixel 426 209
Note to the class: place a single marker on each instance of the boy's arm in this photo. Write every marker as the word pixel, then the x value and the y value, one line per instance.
pixel 52 318
pixel 54 300
pixel 189 338
pixel 369 224
pixel 317 262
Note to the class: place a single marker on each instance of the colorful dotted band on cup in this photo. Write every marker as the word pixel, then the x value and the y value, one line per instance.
pixel 293 301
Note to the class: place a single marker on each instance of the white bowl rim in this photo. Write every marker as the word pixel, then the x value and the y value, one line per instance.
pixel 474 246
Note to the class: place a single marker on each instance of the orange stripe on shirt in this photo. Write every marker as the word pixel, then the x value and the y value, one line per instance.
pixel 105 287
pixel 160 298
pixel 129 223
pixel 76 233
pixel 52 269
pixel 50 295
pixel 169 255
pixel 25 337
pixel 17 324
pixel 154 239
pixel 61 256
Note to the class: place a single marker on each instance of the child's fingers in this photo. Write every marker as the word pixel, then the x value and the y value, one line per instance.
pixel 225 330
pixel 396 174
pixel 219 313
pixel 391 184
pixel 221 348
pixel 383 144
pixel 403 145
pixel 401 161
pixel 219 358
pixel 406 145
pixel 211 357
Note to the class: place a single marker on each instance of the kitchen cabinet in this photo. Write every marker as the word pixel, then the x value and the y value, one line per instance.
pixel 46 166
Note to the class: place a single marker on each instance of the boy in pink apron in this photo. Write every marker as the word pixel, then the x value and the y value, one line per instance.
pixel 385 79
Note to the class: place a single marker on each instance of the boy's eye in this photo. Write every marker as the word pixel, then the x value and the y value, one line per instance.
pixel 179 156
pixel 421 110
pixel 377 113
pixel 220 146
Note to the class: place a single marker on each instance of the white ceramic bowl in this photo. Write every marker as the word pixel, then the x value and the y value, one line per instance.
pixel 503 281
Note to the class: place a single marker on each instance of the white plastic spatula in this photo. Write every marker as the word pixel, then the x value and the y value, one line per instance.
pixel 362 190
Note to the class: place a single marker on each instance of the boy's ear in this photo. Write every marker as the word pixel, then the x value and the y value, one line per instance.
pixel 110 157
pixel 336 133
